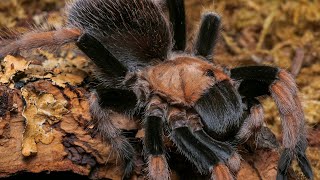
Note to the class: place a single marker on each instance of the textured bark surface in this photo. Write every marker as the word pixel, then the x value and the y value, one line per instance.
pixel 53 144
pixel 44 115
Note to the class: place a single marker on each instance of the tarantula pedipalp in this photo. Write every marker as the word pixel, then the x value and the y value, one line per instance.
pixel 140 60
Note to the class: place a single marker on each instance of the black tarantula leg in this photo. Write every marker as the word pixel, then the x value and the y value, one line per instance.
pixel 102 119
pixel 153 142
pixel 207 35
pixel 262 80
pixel 207 154
pixel 39 39
pixel 119 100
pixel 224 151
pixel 177 18
pixel 101 56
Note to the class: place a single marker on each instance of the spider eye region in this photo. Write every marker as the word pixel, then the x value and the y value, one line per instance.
pixel 209 73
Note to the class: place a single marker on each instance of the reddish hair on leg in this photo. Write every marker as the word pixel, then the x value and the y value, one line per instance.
pixel 33 40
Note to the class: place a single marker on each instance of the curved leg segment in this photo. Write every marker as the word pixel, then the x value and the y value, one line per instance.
pixel 294 136
pixel 264 80
pixel 253 120
pixel 207 154
pixel 252 131
pixel 220 109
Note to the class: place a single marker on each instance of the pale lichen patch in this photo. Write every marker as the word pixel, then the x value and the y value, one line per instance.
pixel 11 66
pixel 59 70
pixel 40 108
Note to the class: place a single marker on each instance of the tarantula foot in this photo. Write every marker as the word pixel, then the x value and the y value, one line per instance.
pixel 305 166
pixel 285 162
pixel 158 168
pixel 221 172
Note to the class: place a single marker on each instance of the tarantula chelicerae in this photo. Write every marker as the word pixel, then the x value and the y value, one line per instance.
pixel 142 67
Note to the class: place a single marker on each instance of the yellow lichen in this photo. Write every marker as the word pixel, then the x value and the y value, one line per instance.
pixel 40 109
pixel 11 66
pixel 60 70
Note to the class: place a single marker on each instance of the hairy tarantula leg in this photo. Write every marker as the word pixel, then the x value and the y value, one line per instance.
pixel 100 55
pixel 252 132
pixel 153 143
pixel 207 154
pixel 264 80
pixel 224 151
pixel 253 120
pixel 39 39
pixel 218 106
pixel 207 35
pixel 111 134
pixel 200 155
pixel 119 100
pixel 177 18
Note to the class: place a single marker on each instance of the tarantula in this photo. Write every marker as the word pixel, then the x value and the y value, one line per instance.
pixel 143 68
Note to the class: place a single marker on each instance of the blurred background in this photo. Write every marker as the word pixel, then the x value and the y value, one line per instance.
pixel 284 33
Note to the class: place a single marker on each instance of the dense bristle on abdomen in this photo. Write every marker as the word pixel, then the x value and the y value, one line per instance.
pixel 134 31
